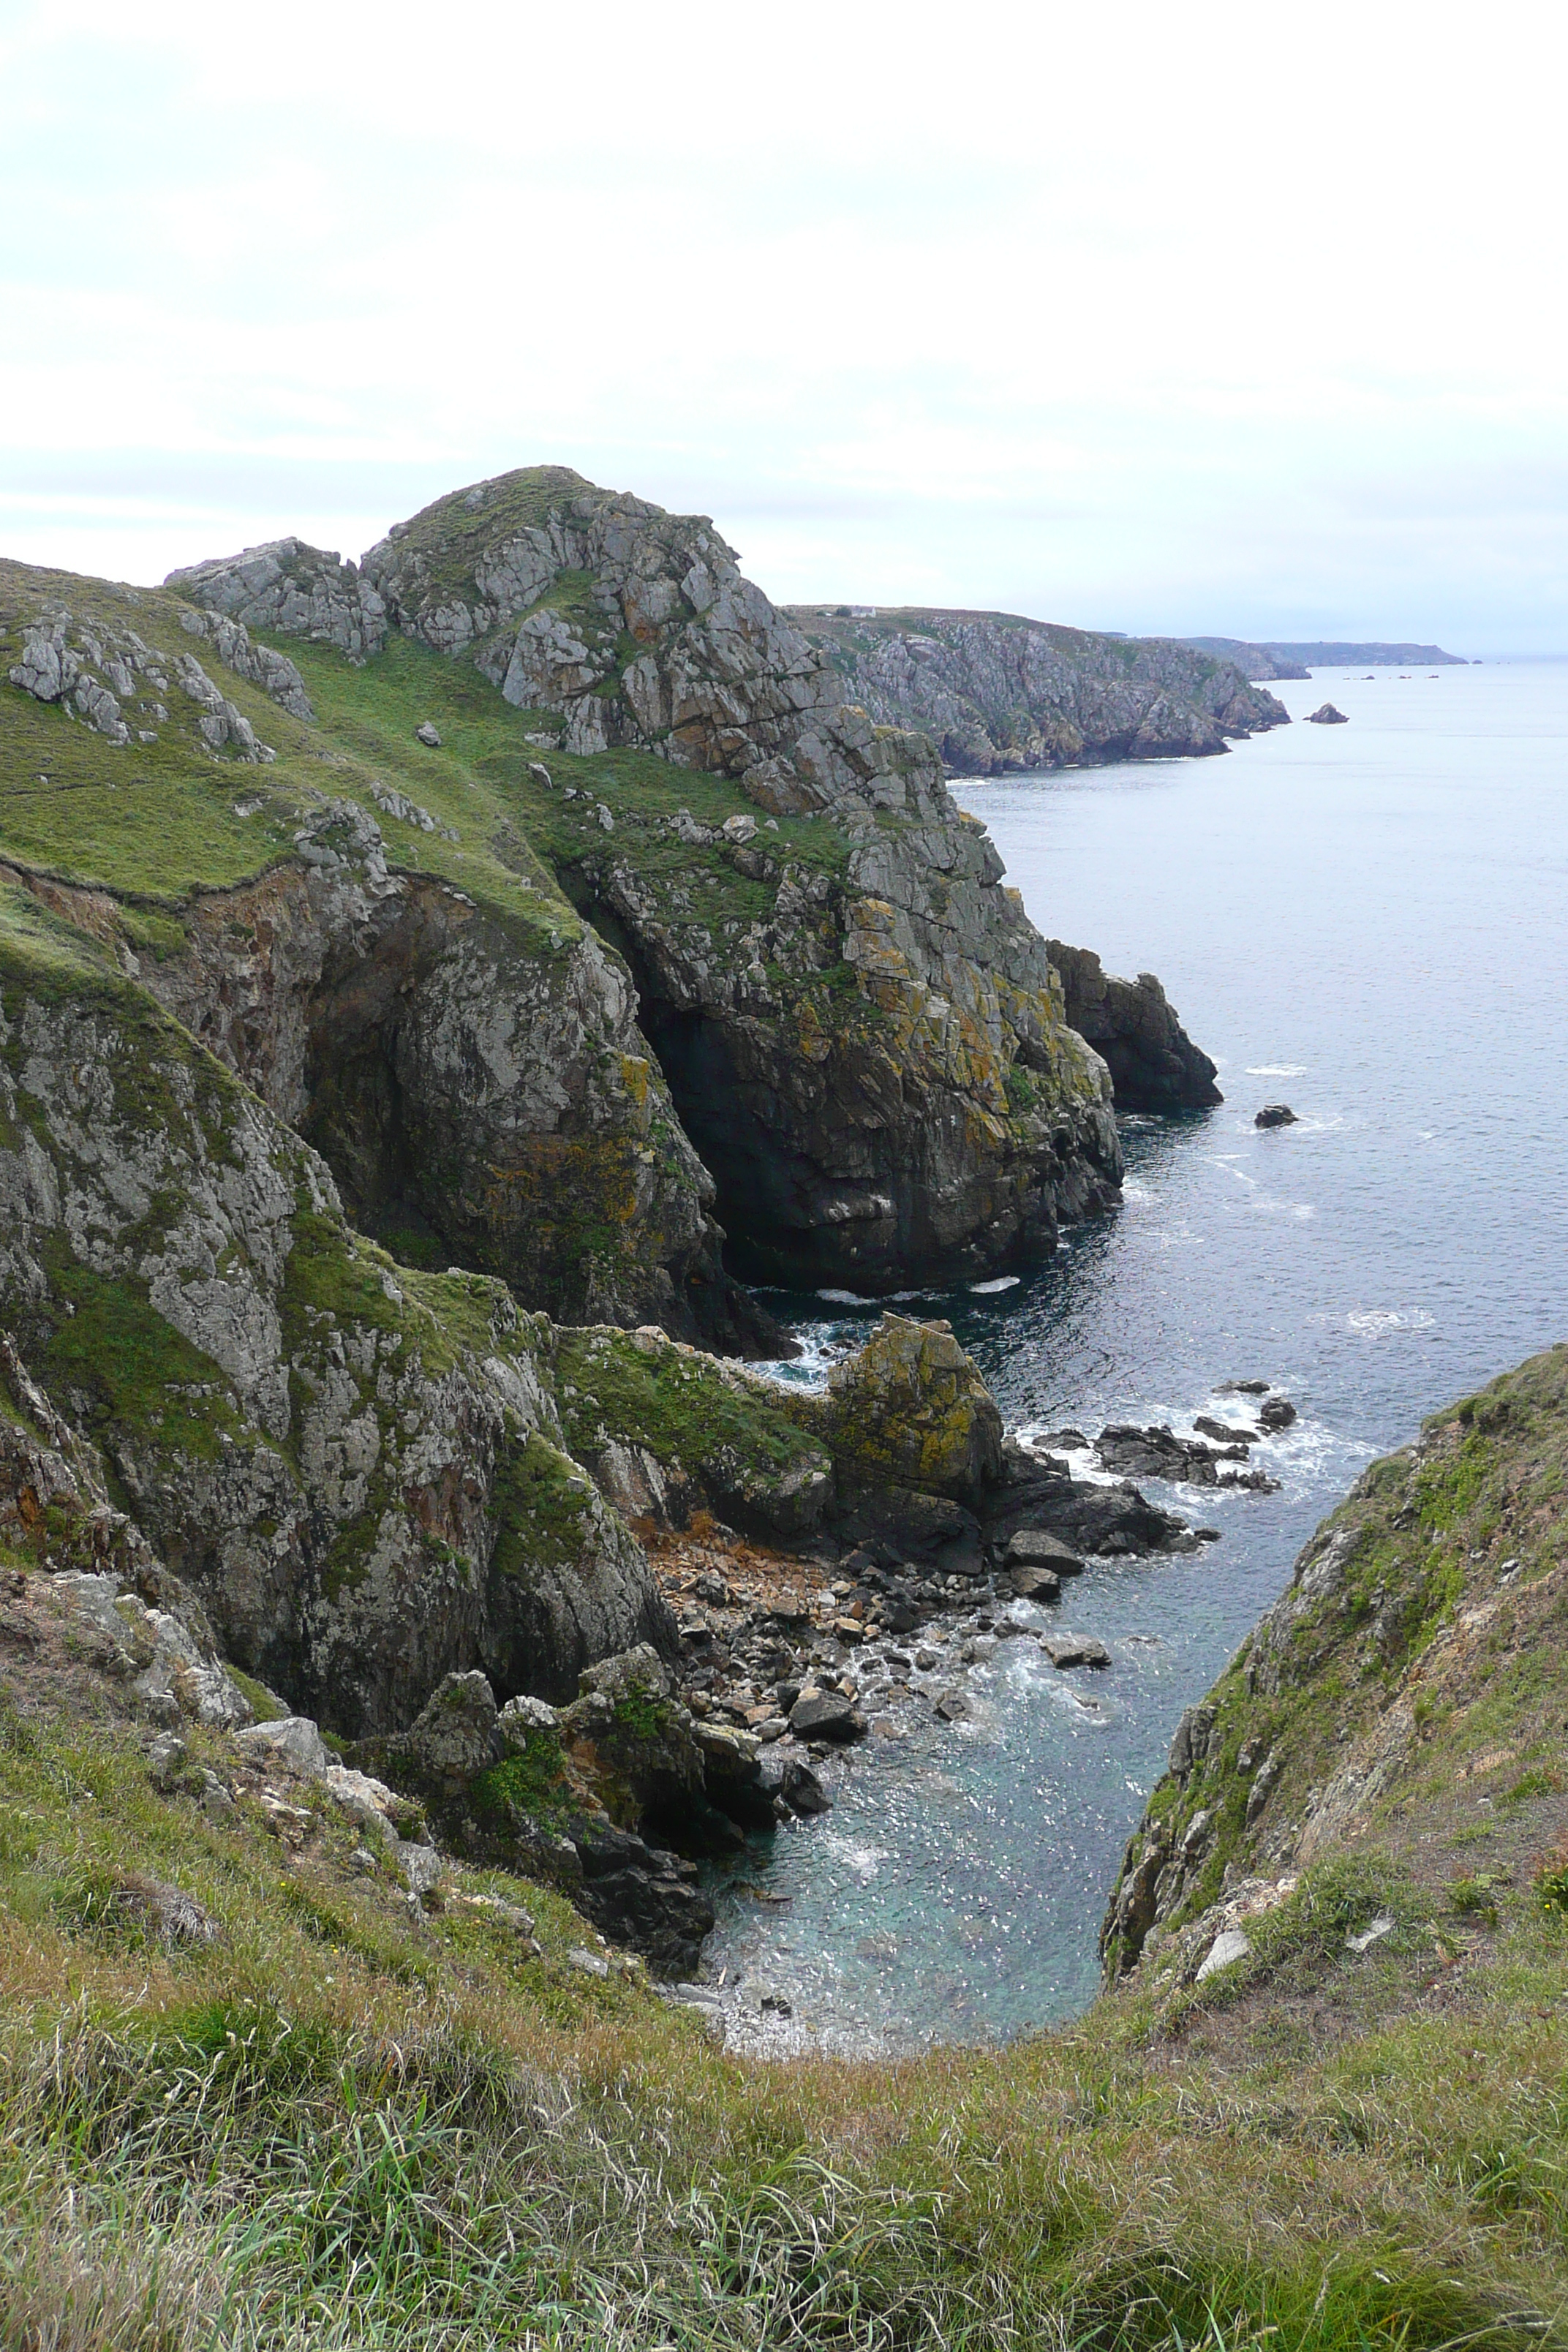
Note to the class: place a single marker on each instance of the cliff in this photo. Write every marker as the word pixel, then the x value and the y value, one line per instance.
pixel 860 1028
pixel 1396 1715
pixel 997 693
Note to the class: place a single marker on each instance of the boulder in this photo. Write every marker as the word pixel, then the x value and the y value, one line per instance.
pixel 456 1737
pixel 1031 1583
pixel 294 1739
pixel 1038 1548
pixel 1275 1114
pixel 826 1714
pixel 1159 1453
pixel 1074 1650
pixel 425 734
pixel 1275 1414
pixel 910 1409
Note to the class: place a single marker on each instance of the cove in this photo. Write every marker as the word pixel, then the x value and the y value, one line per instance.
pixel 1366 922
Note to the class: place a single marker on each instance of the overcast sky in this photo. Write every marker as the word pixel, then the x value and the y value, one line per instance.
pixel 1213 318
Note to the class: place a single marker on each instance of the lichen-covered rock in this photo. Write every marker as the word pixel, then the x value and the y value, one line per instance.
pixel 1153 1064
pixel 356 1467
pixel 910 1409
pixel 997 693
pixel 294 589
pixel 467 1083
pixel 878 1072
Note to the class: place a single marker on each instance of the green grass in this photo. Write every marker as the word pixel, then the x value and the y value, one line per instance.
pixel 343 2125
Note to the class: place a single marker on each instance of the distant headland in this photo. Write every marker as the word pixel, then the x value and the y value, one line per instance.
pixel 1271 660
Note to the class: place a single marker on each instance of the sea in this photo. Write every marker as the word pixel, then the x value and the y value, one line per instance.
pixel 1368 923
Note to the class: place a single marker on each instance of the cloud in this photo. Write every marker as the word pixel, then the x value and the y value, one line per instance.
pixel 1148 318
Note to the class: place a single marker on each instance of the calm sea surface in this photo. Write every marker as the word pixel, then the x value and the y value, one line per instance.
pixel 1367 922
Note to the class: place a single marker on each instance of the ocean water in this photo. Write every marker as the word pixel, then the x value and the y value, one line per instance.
pixel 1367 922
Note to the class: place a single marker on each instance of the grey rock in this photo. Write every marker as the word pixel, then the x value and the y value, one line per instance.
pixel 163 1911
pixel 1038 1548
pixel 1031 1583
pixel 456 1735
pixel 426 734
pixel 586 1963
pixel 294 1739
pixel 293 590
pixel 1276 1413
pixel 954 1706
pixel 808 1190
pixel 826 1714
pixel 167 1757
pixel 1153 1064
pixel 1326 714
pixel 1066 1650
pixel 1227 1948
pixel 1275 1114
pixel 999 693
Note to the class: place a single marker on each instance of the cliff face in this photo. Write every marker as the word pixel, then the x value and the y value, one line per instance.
pixel 997 693
pixel 355 1465
pixel 860 1028
pixel 1153 1064
pixel 1398 1709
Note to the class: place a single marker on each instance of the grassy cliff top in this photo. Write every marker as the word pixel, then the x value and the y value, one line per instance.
pixel 155 822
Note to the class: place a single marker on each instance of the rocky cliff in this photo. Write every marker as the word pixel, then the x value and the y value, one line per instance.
pixel 860 1029
pixel 1397 1714
pixel 997 693
pixel 1132 1024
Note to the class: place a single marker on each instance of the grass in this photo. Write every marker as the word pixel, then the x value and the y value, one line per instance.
pixel 346 2124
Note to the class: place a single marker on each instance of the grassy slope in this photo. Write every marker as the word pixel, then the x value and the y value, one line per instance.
pixel 349 2123
pixel 154 821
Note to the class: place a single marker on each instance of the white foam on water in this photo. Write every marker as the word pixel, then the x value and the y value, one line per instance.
pixel 1379 1322
pixel 989 1289
pixel 1277 1069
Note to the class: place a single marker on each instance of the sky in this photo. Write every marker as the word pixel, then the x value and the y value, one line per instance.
pixel 1213 319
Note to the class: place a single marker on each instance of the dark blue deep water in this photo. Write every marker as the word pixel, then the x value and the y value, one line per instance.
pixel 1367 922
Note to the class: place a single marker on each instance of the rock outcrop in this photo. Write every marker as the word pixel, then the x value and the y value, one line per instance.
pixel 1133 1026
pixel 1402 1662
pixel 298 591
pixel 355 1467
pixel 482 1096
pixel 869 1053
pixel 997 693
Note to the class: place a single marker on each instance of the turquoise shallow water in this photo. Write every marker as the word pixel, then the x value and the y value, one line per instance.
pixel 1367 922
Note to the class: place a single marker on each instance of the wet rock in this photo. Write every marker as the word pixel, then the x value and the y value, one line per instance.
pixel 1158 1453
pixel 1108 1521
pixel 1276 1414
pixel 954 1706
pixel 1031 1583
pixel 792 1780
pixel 1243 1388
pixel 1275 1114
pixel 1066 1650
pixel 1220 1431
